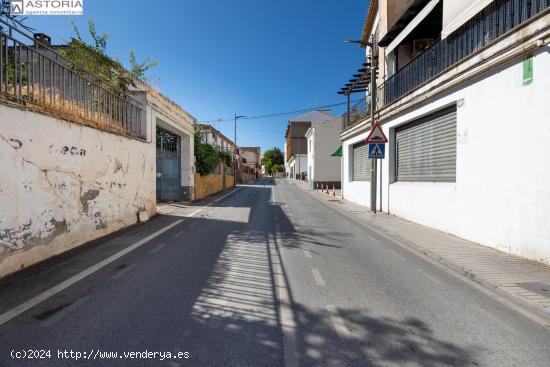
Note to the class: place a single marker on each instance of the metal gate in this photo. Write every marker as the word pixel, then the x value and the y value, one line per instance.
pixel 168 166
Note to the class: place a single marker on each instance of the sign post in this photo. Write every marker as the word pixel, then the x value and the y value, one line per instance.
pixel 377 150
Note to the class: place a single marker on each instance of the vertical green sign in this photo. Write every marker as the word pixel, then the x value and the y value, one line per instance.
pixel 528 70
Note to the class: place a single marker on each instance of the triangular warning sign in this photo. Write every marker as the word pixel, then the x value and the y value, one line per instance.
pixel 376 135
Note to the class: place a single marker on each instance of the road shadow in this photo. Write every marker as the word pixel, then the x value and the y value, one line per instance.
pixel 214 294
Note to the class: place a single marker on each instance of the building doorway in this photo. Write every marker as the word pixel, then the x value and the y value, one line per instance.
pixel 168 166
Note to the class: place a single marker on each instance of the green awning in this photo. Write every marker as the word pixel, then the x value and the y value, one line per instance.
pixel 338 152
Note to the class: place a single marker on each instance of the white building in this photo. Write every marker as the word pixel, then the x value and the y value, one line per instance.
pixel 462 97
pixel 296 144
pixel 322 141
pixel 297 165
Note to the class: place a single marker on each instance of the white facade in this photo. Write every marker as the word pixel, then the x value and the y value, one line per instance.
pixel 501 197
pixel 499 193
pixel 322 140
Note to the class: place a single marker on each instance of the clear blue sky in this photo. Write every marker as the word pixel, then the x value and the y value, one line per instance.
pixel 218 57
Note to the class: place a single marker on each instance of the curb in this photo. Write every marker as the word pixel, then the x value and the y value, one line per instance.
pixel 439 259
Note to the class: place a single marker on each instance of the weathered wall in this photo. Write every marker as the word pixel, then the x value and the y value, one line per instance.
pixel 64 184
pixel 207 185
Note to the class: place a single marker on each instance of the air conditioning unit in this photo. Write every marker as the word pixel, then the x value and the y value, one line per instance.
pixel 420 45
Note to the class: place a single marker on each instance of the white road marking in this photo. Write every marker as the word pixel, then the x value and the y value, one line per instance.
pixel 61 314
pixel 307 253
pixel 318 277
pixel 158 248
pixel 338 322
pixel 215 201
pixel 178 234
pixel 123 271
pixel 192 224
pixel 16 311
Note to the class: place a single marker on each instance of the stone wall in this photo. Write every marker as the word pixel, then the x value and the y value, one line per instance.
pixel 207 185
pixel 212 184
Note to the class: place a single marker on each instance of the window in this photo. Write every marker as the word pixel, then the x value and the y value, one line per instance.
pixel 425 149
pixel 361 168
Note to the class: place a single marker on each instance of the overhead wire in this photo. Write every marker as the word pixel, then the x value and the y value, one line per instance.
pixel 280 113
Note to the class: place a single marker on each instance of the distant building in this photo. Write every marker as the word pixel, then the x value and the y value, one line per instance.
pixel 324 166
pixel 296 144
pixel 251 159
pixel 214 137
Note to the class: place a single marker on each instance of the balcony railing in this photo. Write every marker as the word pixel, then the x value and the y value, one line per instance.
pixel 357 113
pixel 494 21
pixel 35 75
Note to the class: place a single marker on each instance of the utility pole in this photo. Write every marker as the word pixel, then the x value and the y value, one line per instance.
pixel 373 67
pixel 235 154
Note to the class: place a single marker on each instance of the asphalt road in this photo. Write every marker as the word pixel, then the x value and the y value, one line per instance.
pixel 268 276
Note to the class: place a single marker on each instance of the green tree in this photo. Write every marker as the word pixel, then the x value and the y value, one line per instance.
pixel 206 157
pixel 277 168
pixel 271 158
pixel 226 158
pixel 93 58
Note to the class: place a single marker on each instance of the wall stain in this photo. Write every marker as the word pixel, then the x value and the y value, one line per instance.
pixel 24 236
pixel 86 198
pixel 118 165
pixel 15 144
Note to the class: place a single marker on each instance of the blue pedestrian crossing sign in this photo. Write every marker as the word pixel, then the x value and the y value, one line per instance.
pixel 377 151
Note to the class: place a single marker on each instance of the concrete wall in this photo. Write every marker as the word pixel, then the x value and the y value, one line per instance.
pixel 501 197
pixel 64 184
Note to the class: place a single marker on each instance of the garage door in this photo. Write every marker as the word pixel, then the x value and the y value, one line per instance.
pixel 425 149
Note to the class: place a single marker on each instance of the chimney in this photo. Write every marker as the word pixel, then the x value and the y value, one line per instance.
pixel 41 39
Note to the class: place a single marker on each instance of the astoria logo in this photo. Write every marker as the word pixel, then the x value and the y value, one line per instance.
pixel 47 7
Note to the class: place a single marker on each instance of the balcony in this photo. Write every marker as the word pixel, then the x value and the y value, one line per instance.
pixel 496 20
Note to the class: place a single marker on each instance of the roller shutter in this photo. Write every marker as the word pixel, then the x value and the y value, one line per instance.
pixel 425 150
pixel 361 162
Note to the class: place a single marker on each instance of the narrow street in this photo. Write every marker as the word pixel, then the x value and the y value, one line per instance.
pixel 265 276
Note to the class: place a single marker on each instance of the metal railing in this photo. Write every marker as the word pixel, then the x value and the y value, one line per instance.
pixel 357 113
pixel 35 75
pixel 494 21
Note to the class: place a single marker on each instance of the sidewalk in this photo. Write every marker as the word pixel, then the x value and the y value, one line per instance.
pixel 520 280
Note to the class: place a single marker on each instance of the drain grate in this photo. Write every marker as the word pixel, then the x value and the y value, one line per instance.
pixel 538 287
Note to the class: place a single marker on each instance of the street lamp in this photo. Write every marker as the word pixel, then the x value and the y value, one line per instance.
pixel 373 69
pixel 236 118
